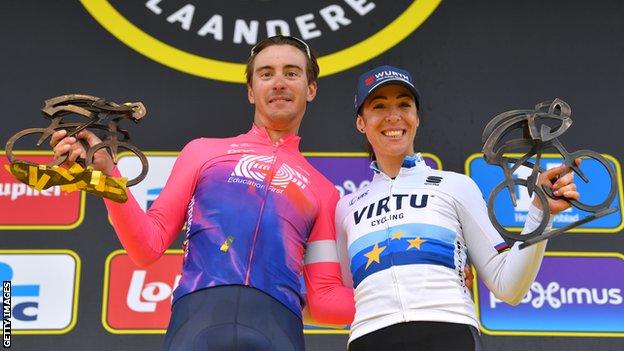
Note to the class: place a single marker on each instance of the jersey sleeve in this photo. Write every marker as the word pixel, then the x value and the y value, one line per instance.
pixel 507 273
pixel 329 300
pixel 146 235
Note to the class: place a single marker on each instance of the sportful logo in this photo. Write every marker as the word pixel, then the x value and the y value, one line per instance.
pixel 433 180
pixel 211 41
pixel 258 167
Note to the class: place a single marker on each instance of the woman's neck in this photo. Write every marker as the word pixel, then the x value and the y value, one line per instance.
pixel 390 164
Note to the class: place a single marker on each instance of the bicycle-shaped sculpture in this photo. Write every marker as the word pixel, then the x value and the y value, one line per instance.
pixel 537 136
pixel 103 118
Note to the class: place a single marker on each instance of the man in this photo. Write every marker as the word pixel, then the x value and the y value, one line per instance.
pixel 250 203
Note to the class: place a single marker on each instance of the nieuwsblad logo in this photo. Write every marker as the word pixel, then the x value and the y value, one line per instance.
pixel 43 301
pixel 211 40
pixel 488 176
pixel 574 294
pixel 138 300
pixel 160 166
pixel 25 208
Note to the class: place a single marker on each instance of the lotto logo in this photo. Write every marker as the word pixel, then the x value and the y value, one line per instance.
pixel 138 300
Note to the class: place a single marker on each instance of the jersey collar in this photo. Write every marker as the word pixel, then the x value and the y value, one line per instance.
pixel 411 164
pixel 288 140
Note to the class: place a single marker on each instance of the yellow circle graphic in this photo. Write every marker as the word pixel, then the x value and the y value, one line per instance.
pixel 338 61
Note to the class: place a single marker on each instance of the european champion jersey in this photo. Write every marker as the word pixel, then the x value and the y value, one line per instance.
pixel 250 206
pixel 403 244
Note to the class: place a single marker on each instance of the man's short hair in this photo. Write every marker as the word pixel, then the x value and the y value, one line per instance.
pixel 312 68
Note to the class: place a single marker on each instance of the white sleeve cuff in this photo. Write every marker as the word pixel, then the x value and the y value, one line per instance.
pixel 533 219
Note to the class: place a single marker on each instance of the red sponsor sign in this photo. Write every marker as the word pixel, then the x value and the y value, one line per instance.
pixel 22 207
pixel 138 300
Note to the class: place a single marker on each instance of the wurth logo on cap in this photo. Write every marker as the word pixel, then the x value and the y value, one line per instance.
pixel 369 80
pixel 390 74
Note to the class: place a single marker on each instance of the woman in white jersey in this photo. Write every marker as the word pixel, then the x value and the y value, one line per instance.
pixel 404 240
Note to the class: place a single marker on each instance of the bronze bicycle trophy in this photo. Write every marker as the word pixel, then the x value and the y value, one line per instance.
pixel 103 118
pixel 538 134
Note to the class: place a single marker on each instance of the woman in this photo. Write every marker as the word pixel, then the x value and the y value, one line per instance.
pixel 403 241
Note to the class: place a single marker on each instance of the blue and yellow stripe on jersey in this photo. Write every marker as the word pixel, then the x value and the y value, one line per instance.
pixel 401 245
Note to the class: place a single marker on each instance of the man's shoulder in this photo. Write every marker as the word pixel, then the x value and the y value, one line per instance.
pixel 212 144
pixel 318 178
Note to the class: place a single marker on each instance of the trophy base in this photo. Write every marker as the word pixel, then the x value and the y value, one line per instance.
pixel 40 177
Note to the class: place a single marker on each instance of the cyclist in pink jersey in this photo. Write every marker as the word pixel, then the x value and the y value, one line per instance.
pixel 252 206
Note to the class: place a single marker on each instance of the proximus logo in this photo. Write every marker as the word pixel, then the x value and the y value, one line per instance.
pixel 556 296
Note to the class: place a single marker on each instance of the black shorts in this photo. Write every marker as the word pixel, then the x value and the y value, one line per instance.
pixel 425 336
pixel 232 317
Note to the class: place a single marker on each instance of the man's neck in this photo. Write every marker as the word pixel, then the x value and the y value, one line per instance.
pixel 276 135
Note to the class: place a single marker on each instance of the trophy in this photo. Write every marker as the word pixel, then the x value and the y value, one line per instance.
pixel 102 118
pixel 540 129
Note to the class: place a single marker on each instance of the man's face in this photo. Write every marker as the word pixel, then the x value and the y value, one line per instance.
pixel 279 88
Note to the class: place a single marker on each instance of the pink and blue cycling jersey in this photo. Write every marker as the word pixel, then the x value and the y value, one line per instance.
pixel 250 207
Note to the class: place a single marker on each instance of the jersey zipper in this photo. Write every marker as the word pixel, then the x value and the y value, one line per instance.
pixel 388 239
pixel 268 181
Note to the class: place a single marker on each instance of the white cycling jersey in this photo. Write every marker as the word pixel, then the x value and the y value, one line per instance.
pixel 403 245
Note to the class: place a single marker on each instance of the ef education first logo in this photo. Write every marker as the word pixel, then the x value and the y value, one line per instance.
pixel 210 39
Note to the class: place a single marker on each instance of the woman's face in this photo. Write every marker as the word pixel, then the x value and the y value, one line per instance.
pixel 390 120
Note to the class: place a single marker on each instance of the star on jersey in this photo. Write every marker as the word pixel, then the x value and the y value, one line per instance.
pixel 416 242
pixel 373 255
pixel 397 235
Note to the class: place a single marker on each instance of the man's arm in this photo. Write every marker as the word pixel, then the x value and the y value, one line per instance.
pixel 146 235
pixel 329 300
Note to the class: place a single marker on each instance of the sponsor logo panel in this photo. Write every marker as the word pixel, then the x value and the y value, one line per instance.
pixel 25 208
pixel 43 301
pixel 488 176
pixel 574 294
pixel 160 166
pixel 138 300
